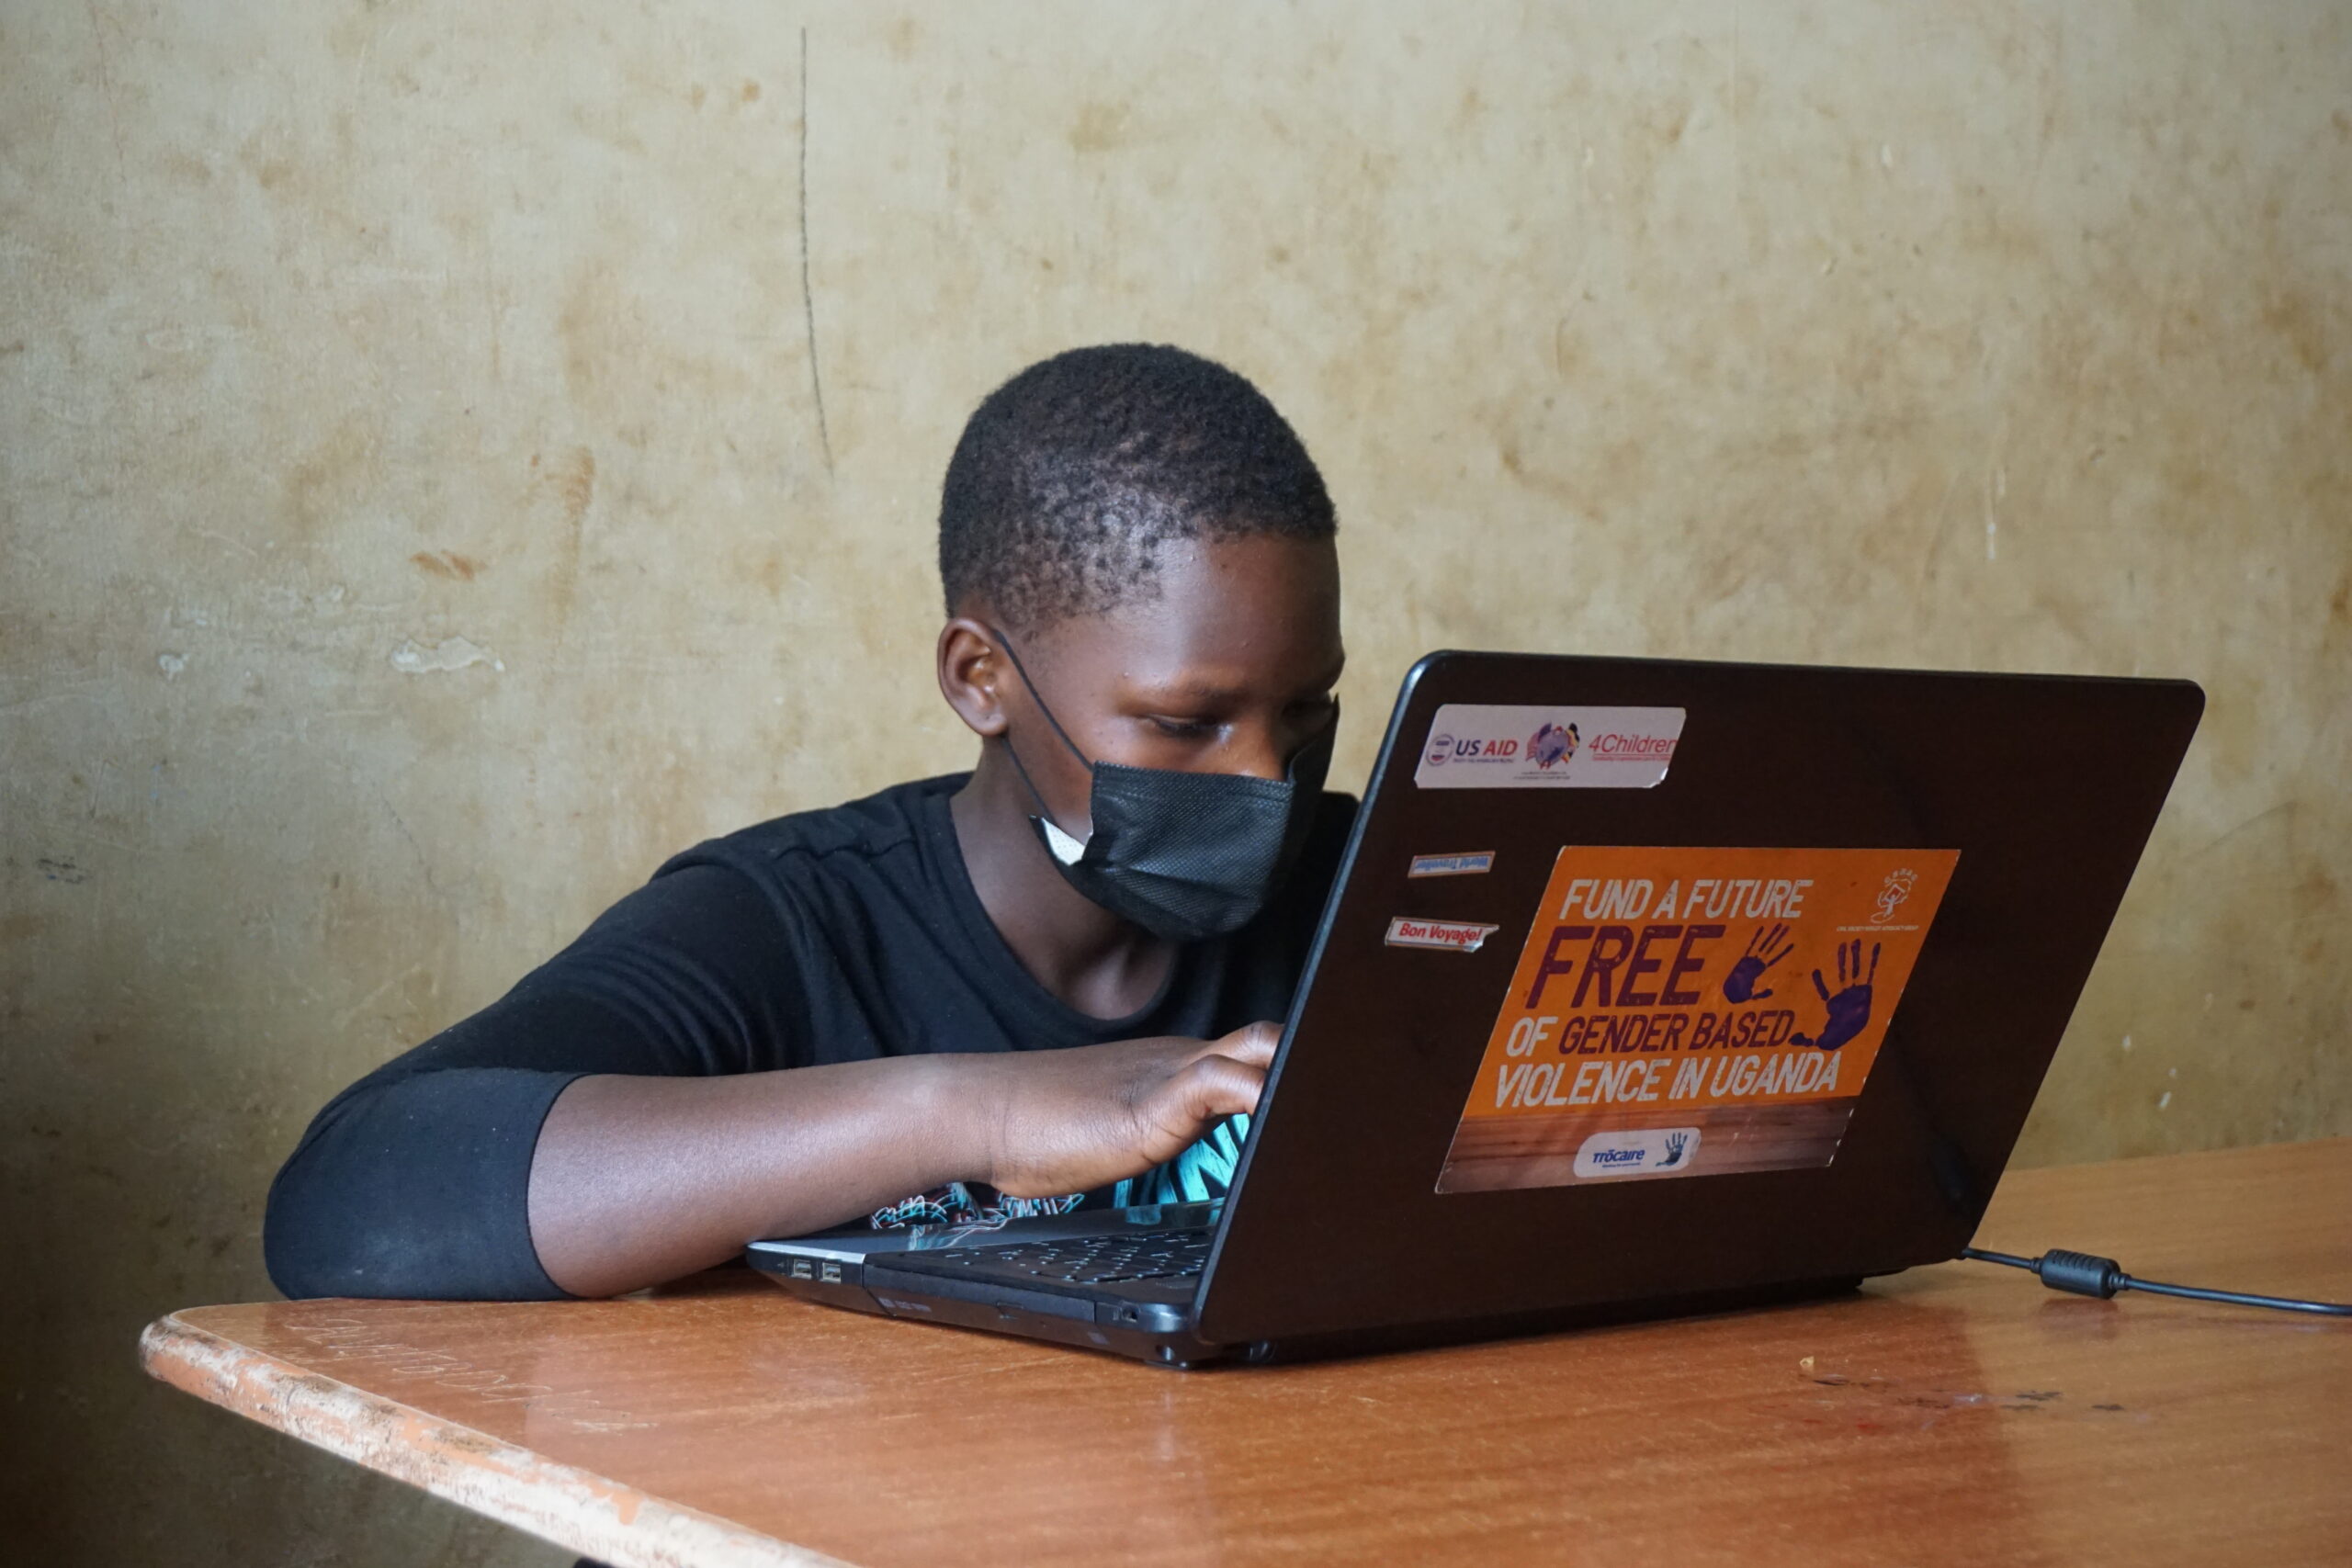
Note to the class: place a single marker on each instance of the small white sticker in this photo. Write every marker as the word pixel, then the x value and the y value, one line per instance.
pixel 1406 931
pixel 1469 864
pixel 1494 746
pixel 1648 1151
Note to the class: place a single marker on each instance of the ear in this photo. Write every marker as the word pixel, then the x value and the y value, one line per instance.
pixel 971 666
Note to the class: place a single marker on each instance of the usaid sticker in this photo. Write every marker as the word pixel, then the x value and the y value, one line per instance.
pixel 1649 1151
pixel 1492 745
pixel 1406 931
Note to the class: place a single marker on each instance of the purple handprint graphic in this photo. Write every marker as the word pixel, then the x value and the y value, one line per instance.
pixel 1849 1010
pixel 1739 986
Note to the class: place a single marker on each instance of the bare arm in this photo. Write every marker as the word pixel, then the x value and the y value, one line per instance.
pixel 636 1181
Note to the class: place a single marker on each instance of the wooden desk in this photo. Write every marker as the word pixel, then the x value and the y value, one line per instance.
pixel 1953 1414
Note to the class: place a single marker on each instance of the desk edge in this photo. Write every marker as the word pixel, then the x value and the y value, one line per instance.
pixel 560 1503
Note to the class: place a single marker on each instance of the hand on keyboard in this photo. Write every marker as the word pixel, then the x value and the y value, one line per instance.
pixel 1071 1121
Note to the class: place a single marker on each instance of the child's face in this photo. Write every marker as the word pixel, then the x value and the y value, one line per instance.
pixel 1229 668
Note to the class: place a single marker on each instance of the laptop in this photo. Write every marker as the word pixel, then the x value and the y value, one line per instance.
pixel 1645 988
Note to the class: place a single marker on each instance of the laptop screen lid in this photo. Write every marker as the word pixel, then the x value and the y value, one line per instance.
pixel 1647 979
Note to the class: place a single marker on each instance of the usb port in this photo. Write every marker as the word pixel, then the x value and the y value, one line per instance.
pixel 831 1274
pixel 803 1269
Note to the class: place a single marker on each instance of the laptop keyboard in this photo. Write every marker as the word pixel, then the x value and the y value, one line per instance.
pixel 1085 1260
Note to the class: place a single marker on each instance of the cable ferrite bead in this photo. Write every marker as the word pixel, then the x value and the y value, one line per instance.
pixel 2081 1273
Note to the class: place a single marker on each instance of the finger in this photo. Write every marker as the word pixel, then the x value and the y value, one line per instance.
pixel 1758 994
pixel 1819 987
pixel 1779 929
pixel 1874 947
pixel 1252 1043
pixel 1214 1086
pixel 1752 937
pixel 1771 959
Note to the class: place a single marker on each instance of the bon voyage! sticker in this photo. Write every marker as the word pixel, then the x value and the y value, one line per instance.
pixel 1693 1012
pixel 1462 937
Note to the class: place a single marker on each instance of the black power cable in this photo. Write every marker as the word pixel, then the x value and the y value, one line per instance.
pixel 2103 1277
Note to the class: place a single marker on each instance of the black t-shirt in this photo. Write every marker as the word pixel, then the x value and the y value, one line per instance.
pixel 828 936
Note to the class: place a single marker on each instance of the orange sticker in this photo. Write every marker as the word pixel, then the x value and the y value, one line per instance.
pixel 1693 1012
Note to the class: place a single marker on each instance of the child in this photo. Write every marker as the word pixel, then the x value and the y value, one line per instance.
pixel 1015 992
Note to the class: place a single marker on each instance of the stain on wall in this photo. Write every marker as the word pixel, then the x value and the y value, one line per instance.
pixel 420 518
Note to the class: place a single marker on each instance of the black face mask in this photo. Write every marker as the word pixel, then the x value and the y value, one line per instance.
pixel 1186 856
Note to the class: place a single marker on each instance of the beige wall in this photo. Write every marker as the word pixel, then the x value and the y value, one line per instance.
pixel 420 518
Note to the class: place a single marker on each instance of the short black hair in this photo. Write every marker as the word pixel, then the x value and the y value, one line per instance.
pixel 1070 477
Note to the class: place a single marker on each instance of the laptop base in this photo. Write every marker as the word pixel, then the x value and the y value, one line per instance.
pixel 1163 1336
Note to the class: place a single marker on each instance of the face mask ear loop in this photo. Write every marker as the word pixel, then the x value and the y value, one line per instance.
pixel 1005 643
pixel 1027 783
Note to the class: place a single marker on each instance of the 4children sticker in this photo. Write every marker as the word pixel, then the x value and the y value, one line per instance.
pixel 1693 1011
